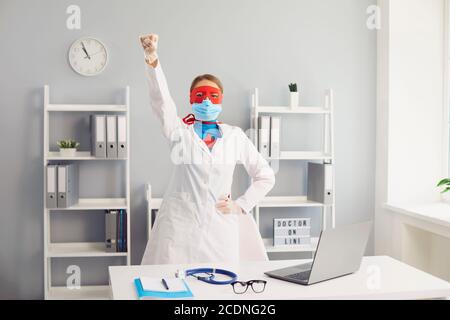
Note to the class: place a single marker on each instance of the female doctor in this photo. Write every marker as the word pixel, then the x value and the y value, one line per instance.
pixel 198 221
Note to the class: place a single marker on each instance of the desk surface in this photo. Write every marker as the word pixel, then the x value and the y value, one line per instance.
pixel 396 280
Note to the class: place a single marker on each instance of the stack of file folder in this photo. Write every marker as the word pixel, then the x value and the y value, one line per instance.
pixel 109 136
pixel 116 230
pixel 62 185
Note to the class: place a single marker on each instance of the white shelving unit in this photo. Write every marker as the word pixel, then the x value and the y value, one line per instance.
pixel 82 249
pixel 84 293
pixel 288 202
pixel 96 204
pixel 326 154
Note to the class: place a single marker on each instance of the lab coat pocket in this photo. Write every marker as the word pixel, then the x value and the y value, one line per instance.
pixel 180 227
pixel 182 207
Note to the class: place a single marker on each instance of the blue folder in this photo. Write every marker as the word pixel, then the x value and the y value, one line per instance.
pixel 161 294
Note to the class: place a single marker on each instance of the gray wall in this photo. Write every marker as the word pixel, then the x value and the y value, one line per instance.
pixel 264 44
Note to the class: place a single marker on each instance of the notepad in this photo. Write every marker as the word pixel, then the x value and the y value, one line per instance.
pixel 155 284
pixel 178 288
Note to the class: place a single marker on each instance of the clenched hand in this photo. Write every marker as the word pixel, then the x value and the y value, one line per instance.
pixel 150 45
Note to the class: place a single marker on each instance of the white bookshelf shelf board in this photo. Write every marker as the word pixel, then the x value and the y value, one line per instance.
pixel 302 155
pixel 83 293
pixel 80 249
pixel 279 202
pixel 268 242
pixel 96 204
pixel 86 108
pixel 80 155
pixel 155 203
pixel 289 110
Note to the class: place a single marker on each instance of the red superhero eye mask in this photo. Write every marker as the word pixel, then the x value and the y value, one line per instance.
pixel 201 93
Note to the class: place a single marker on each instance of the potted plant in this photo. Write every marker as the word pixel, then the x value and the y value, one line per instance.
pixel 68 147
pixel 445 183
pixel 293 98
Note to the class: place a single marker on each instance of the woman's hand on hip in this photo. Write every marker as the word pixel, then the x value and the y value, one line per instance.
pixel 150 45
pixel 227 206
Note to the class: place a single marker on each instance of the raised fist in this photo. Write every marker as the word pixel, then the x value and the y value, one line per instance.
pixel 150 44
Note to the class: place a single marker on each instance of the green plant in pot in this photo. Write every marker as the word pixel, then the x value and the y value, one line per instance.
pixel 445 184
pixel 68 147
pixel 293 97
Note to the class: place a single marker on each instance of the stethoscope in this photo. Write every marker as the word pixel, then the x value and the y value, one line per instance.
pixel 211 275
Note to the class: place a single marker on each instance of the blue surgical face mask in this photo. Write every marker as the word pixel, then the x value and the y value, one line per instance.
pixel 206 111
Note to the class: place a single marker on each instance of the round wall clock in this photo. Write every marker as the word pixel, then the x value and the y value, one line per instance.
pixel 88 56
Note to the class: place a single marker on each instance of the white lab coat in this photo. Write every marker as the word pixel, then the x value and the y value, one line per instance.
pixel 188 228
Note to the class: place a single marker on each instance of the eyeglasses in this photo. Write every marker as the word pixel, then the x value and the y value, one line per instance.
pixel 240 287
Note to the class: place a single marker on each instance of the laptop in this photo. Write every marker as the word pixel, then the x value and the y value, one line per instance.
pixel 339 253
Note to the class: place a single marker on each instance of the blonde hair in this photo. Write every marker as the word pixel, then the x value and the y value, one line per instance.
pixel 209 77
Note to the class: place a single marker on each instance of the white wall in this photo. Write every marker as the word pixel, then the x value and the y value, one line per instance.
pixel 410 109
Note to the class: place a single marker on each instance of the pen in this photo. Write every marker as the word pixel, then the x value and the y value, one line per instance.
pixel 165 284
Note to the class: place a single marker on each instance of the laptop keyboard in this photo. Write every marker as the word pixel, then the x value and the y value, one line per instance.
pixel 305 267
pixel 304 276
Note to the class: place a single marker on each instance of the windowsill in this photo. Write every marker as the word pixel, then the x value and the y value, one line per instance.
pixel 437 213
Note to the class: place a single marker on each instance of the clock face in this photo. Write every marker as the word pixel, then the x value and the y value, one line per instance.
pixel 88 56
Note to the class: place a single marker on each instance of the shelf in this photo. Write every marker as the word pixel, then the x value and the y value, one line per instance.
pixel 81 249
pixel 289 110
pixel 96 204
pixel 278 202
pixel 302 155
pixel 84 293
pixel 268 242
pixel 155 203
pixel 80 155
pixel 86 108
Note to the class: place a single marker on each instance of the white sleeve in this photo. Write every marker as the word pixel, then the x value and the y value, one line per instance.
pixel 161 101
pixel 263 177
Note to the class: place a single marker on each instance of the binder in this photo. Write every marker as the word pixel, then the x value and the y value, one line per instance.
pixel 111 136
pixel 122 146
pixel 320 183
pixel 264 136
pixel 98 136
pixel 111 230
pixel 67 185
pixel 121 231
pixel 124 232
pixel 275 137
pixel 51 197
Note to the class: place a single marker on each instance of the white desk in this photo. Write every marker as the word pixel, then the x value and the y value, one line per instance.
pixel 397 281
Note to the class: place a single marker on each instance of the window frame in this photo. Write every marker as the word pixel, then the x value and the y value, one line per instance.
pixel 446 118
